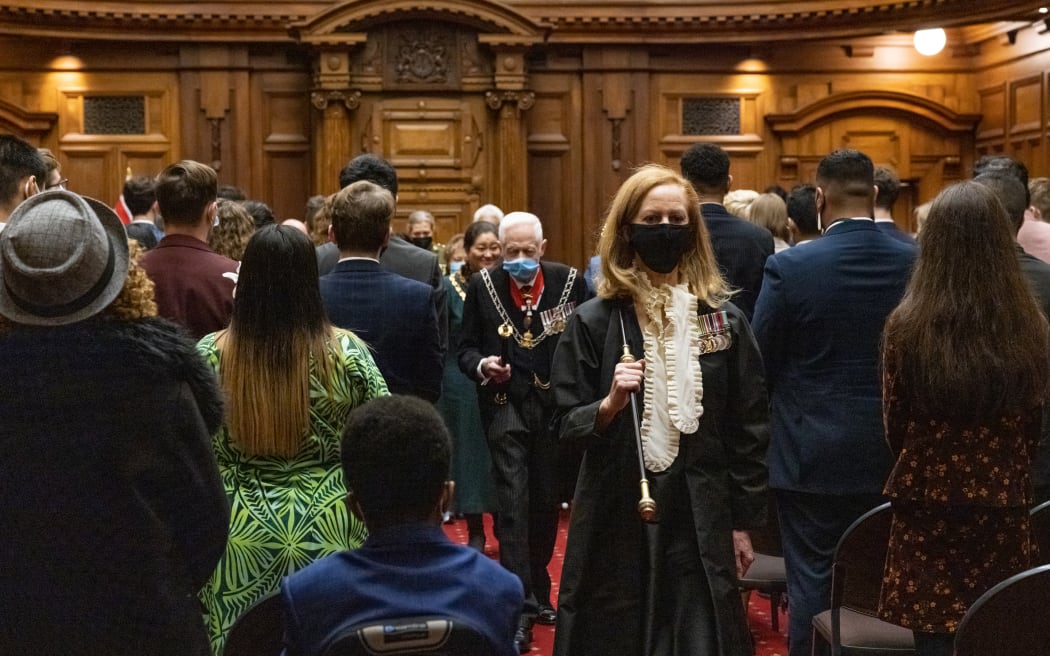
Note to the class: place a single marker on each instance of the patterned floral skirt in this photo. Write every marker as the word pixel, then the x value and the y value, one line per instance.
pixel 942 558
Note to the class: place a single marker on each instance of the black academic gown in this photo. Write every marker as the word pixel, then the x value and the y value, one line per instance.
pixel 611 599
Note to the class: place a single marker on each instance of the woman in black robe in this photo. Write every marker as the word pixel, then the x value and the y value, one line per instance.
pixel 667 588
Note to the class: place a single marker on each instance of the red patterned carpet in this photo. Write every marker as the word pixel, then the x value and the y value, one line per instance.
pixel 767 641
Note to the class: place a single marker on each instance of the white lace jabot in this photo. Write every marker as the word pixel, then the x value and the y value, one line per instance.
pixel 674 385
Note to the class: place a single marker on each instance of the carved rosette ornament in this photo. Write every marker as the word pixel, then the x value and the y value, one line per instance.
pixel 351 99
pixel 524 100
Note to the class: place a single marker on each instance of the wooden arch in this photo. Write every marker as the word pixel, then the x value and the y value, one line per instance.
pixel 928 144
pixel 346 22
pixel 870 102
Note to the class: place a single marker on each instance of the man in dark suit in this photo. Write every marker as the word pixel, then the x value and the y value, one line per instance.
pixel 741 248
pixel 818 323
pixel 394 315
pixel 512 320
pixel 399 256
pixel 888 189
pixel 1005 180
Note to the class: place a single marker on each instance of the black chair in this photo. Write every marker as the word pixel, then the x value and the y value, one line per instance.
pixel 259 631
pixel 767 573
pixel 1009 619
pixel 425 636
pixel 851 625
pixel 1040 521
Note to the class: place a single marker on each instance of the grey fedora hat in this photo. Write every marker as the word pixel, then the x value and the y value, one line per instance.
pixel 63 258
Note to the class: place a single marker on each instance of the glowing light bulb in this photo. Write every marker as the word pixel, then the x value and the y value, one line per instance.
pixel 930 42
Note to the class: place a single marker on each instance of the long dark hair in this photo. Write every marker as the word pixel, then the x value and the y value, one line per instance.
pixel 968 340
pixel 279 325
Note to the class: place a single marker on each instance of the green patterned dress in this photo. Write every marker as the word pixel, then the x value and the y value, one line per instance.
pixel 286 512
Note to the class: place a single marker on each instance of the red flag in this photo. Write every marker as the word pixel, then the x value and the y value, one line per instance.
pixel 122 211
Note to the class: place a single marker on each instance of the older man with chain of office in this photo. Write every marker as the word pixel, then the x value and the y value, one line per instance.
pixel 512 319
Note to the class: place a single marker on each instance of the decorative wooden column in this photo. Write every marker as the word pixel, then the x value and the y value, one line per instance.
pixel 510 99
pixel 334 98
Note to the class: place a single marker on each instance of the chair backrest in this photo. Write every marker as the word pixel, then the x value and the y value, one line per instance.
pixel 1009 619
pixel 860 557
pixel 1040 521
pixel 433 636
pixel 259 631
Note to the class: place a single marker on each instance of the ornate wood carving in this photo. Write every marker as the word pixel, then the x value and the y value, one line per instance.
pixel 337 22
pixel 424 57
pixel 350 98
pixel 216 143
pixel 519 100
pixel 696 21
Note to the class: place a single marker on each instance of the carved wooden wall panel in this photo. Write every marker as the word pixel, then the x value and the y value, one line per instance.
pixel 282 159
pixel 97 164
pixel 1015 121
pixel 438 145
pixel 422 133
pixel 992 128
pixel 748 97
pixel 556 174
pixel 1014 87
pixel 1026 111
pixel 425 92
pixel 928 145
pixel 883 140
pixel 674 93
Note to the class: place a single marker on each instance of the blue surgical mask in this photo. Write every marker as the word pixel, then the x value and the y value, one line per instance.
pixel 454 267
pixel 522 269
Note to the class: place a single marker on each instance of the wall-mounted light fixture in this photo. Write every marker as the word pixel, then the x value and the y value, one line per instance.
pixel 930 42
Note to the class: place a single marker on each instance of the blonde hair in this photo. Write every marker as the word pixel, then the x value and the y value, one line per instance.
pixel 738 202
pixel 135 299
pixel 322 220
pixel 621 277
pixel 770 211
pixel 268 396
pixel 235 228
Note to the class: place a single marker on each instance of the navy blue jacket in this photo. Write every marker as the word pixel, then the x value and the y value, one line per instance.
pixel 400 572
pixel 741 249
pixel 818 324
pixel 395 316
pixel 893 230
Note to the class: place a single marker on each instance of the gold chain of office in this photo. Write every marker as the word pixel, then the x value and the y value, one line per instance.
pixel 527 340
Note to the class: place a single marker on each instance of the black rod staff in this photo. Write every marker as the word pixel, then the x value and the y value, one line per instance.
pixel 505 331
pixel 646 505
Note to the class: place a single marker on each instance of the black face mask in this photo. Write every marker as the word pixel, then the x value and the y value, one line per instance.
pixel 660 246
pixel 423 242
